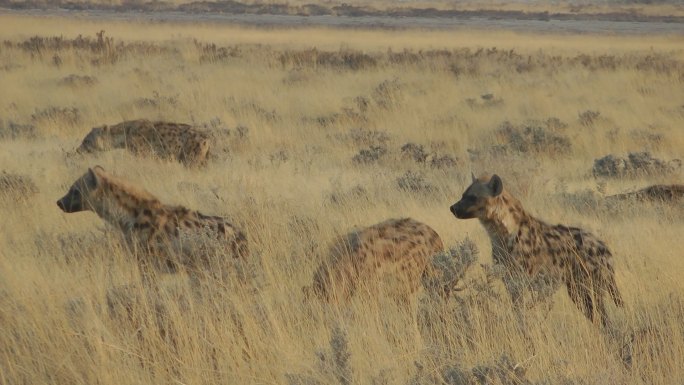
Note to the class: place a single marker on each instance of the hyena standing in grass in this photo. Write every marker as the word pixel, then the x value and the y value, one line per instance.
pixel 395 254
pixel 165 140
pixel 527 246
pixel 169 236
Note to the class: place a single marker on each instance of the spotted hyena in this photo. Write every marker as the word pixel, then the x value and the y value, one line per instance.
pixel 395 254
pixel 170 235
pixel 527 246
pixel 165 140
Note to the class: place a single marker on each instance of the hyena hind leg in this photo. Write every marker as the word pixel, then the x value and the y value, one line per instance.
pixel 589 299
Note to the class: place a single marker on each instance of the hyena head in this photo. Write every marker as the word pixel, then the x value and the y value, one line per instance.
pixel 80 195
pixel 98 139
pixel 477 197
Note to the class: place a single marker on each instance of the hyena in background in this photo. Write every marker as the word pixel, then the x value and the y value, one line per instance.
pixel 528 246
pixel 165 140
pixel 396 254
pixel 169 235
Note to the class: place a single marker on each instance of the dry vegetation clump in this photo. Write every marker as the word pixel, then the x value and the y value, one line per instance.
pixel 346 117
pixel 365 137
pixel 588 118
pixel 210 53
pixel 418 154
pixel 70 116
pixel 101 50
pixel 332 363
pixel 225 140
pixel 415 182
pixel 217 127
pixel 634 165
pixel 77 81
pixel 451 266
pixel 314 58
pixel 504 371
pixel 415 152
pixel 387 95
pixel 156 101
pixel 370 155
pixel 485 101
pixel 647 138
pixel 12 130
pixel 443 162
pixel 539 138
pixel 251 108
pixel 16 187
pixel 374 144
pixel 349 196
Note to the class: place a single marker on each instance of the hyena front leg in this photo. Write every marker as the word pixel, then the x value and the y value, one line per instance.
pixel 516 282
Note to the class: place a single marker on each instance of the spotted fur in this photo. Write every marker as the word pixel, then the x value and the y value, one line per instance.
pixel 528 246
pixel 170 235
pixel 394 254
pixel 142 137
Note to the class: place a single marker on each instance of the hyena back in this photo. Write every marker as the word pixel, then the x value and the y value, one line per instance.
pixel 395 254
pixel 165 140
pixel 528 246
pixel 164 232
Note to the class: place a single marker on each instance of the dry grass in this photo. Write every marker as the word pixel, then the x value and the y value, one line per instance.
pixel 293 111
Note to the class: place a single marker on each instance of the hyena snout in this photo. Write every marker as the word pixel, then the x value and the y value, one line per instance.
pixel 69 205
pixel 460 211
pixel 453 209
pixel 85 148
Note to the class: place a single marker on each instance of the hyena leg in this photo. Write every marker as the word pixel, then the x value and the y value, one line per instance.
pixel 599 291
pixel 581 294
pixel 516 284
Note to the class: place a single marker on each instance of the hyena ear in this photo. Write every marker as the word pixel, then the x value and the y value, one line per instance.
pixel 92 179
pixel 472 175
pixel 495 185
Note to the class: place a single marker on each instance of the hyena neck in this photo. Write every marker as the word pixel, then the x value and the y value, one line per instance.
pixel 122 205
pixel 503 218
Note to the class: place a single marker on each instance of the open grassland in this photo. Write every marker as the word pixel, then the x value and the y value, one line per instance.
pixel 318 131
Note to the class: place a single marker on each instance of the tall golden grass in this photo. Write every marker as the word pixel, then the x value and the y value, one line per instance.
pixel 296 109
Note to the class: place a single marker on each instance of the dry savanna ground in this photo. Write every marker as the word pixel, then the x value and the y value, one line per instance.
pixel 319 131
